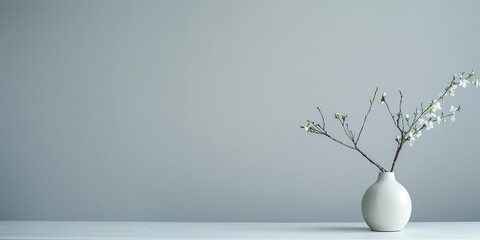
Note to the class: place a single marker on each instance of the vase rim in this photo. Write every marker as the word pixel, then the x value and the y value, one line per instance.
pixel 386 174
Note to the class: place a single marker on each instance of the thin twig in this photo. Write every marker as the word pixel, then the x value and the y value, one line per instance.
pixel 323 119
pixel 393 116
pixel 400 114
pixel 322 132
pixel 366 115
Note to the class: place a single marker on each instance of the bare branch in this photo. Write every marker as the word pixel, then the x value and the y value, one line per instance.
pixel 400 113
pixel 397 152
pixel 366 115
pixel 351 147
pixel 323 119
pixel 393 117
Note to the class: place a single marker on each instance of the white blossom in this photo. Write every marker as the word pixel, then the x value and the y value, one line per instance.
pixel 453 109
pixel 430 115
pixel 421 122
pixel 429 125
pixel 477 83
pixel 463 82
pixel 407 116
pixel 439 120
pixel 411 137
pixel 436 105
pixel 452 117
pixel 452 90
pixel 419 134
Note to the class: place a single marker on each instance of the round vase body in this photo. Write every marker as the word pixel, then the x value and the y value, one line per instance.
pixel 386 205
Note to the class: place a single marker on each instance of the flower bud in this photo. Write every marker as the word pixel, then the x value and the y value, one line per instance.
pixel 307 128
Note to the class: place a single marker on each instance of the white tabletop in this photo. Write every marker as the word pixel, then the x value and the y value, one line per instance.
pixel 178 231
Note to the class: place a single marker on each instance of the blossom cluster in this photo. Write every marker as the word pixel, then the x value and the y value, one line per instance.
pixel 425 118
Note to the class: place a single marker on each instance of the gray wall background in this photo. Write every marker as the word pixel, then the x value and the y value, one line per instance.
pixel 189 110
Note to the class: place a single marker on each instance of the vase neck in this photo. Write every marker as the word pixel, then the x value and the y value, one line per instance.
pixel 386 176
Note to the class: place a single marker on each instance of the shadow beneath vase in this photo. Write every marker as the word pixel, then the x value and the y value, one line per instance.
pixel 333 229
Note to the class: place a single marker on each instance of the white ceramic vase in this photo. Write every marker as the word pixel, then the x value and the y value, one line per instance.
pixel 386 205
